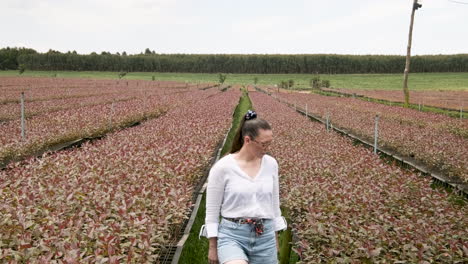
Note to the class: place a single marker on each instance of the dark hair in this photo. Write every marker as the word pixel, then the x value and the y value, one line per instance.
pixel 248 128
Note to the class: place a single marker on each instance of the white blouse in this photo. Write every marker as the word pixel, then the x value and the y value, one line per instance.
pixel 234 193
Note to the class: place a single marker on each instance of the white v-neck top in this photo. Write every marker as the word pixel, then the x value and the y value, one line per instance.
pixel 234 194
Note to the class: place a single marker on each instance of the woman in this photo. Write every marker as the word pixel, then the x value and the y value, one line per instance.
pixel 243 188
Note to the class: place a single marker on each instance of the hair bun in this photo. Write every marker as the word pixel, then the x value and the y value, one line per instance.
pixel 250 115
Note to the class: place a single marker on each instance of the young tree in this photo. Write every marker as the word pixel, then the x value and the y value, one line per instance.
pixel 222 78
pixel 315 82
pixel 326 83
pixel 21 68
pixel 122 74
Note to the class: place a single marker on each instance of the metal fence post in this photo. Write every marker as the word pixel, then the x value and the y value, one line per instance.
pixel 376 133
pixel 307 114
pixel 23 125
pixel 327 124
pixel 111 115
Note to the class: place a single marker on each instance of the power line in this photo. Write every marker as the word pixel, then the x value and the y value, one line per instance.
pixel 458 2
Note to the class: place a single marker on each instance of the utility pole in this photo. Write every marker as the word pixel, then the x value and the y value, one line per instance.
pixel 416 5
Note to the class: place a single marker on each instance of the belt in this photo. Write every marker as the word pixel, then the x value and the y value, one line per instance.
pixel 257 223
pixel 245 220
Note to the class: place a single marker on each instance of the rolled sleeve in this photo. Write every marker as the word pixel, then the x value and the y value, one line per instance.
pixel 211 230
pixel 280 223
pixel 214 198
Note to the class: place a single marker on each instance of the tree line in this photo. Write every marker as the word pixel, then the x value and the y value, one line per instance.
pixel 149 61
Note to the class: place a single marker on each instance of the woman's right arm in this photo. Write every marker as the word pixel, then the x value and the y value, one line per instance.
pixel 214 198
pixel 213 251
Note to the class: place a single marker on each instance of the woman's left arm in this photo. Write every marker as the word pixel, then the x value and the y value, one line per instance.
pixel 279 221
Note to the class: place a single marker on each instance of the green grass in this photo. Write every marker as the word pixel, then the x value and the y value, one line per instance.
pixel 417 81
pixel 196 250
pixel 244 105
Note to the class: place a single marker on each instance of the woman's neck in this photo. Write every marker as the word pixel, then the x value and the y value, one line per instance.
pixel 246 155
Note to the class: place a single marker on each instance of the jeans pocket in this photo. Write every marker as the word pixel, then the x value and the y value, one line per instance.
pixel 268 226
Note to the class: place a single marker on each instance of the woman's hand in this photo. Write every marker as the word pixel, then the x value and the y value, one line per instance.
pixel 213 256
pixel 213 251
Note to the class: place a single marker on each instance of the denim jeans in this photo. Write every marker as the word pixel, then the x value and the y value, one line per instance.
pixel 239 241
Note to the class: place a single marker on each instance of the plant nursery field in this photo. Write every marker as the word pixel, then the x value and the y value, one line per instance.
pixel 118 199
pixel 349 206
pixel 123 196
pixel 62 110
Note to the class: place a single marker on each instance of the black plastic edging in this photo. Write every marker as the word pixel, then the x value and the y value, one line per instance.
pixel 456 185
pixel 208 87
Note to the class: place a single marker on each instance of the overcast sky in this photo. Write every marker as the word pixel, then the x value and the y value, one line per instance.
pixel 235 26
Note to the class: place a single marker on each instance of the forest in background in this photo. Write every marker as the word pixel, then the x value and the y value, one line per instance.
pixel 150 61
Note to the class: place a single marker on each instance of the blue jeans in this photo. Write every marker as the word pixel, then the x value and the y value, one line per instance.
pixel 239 241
